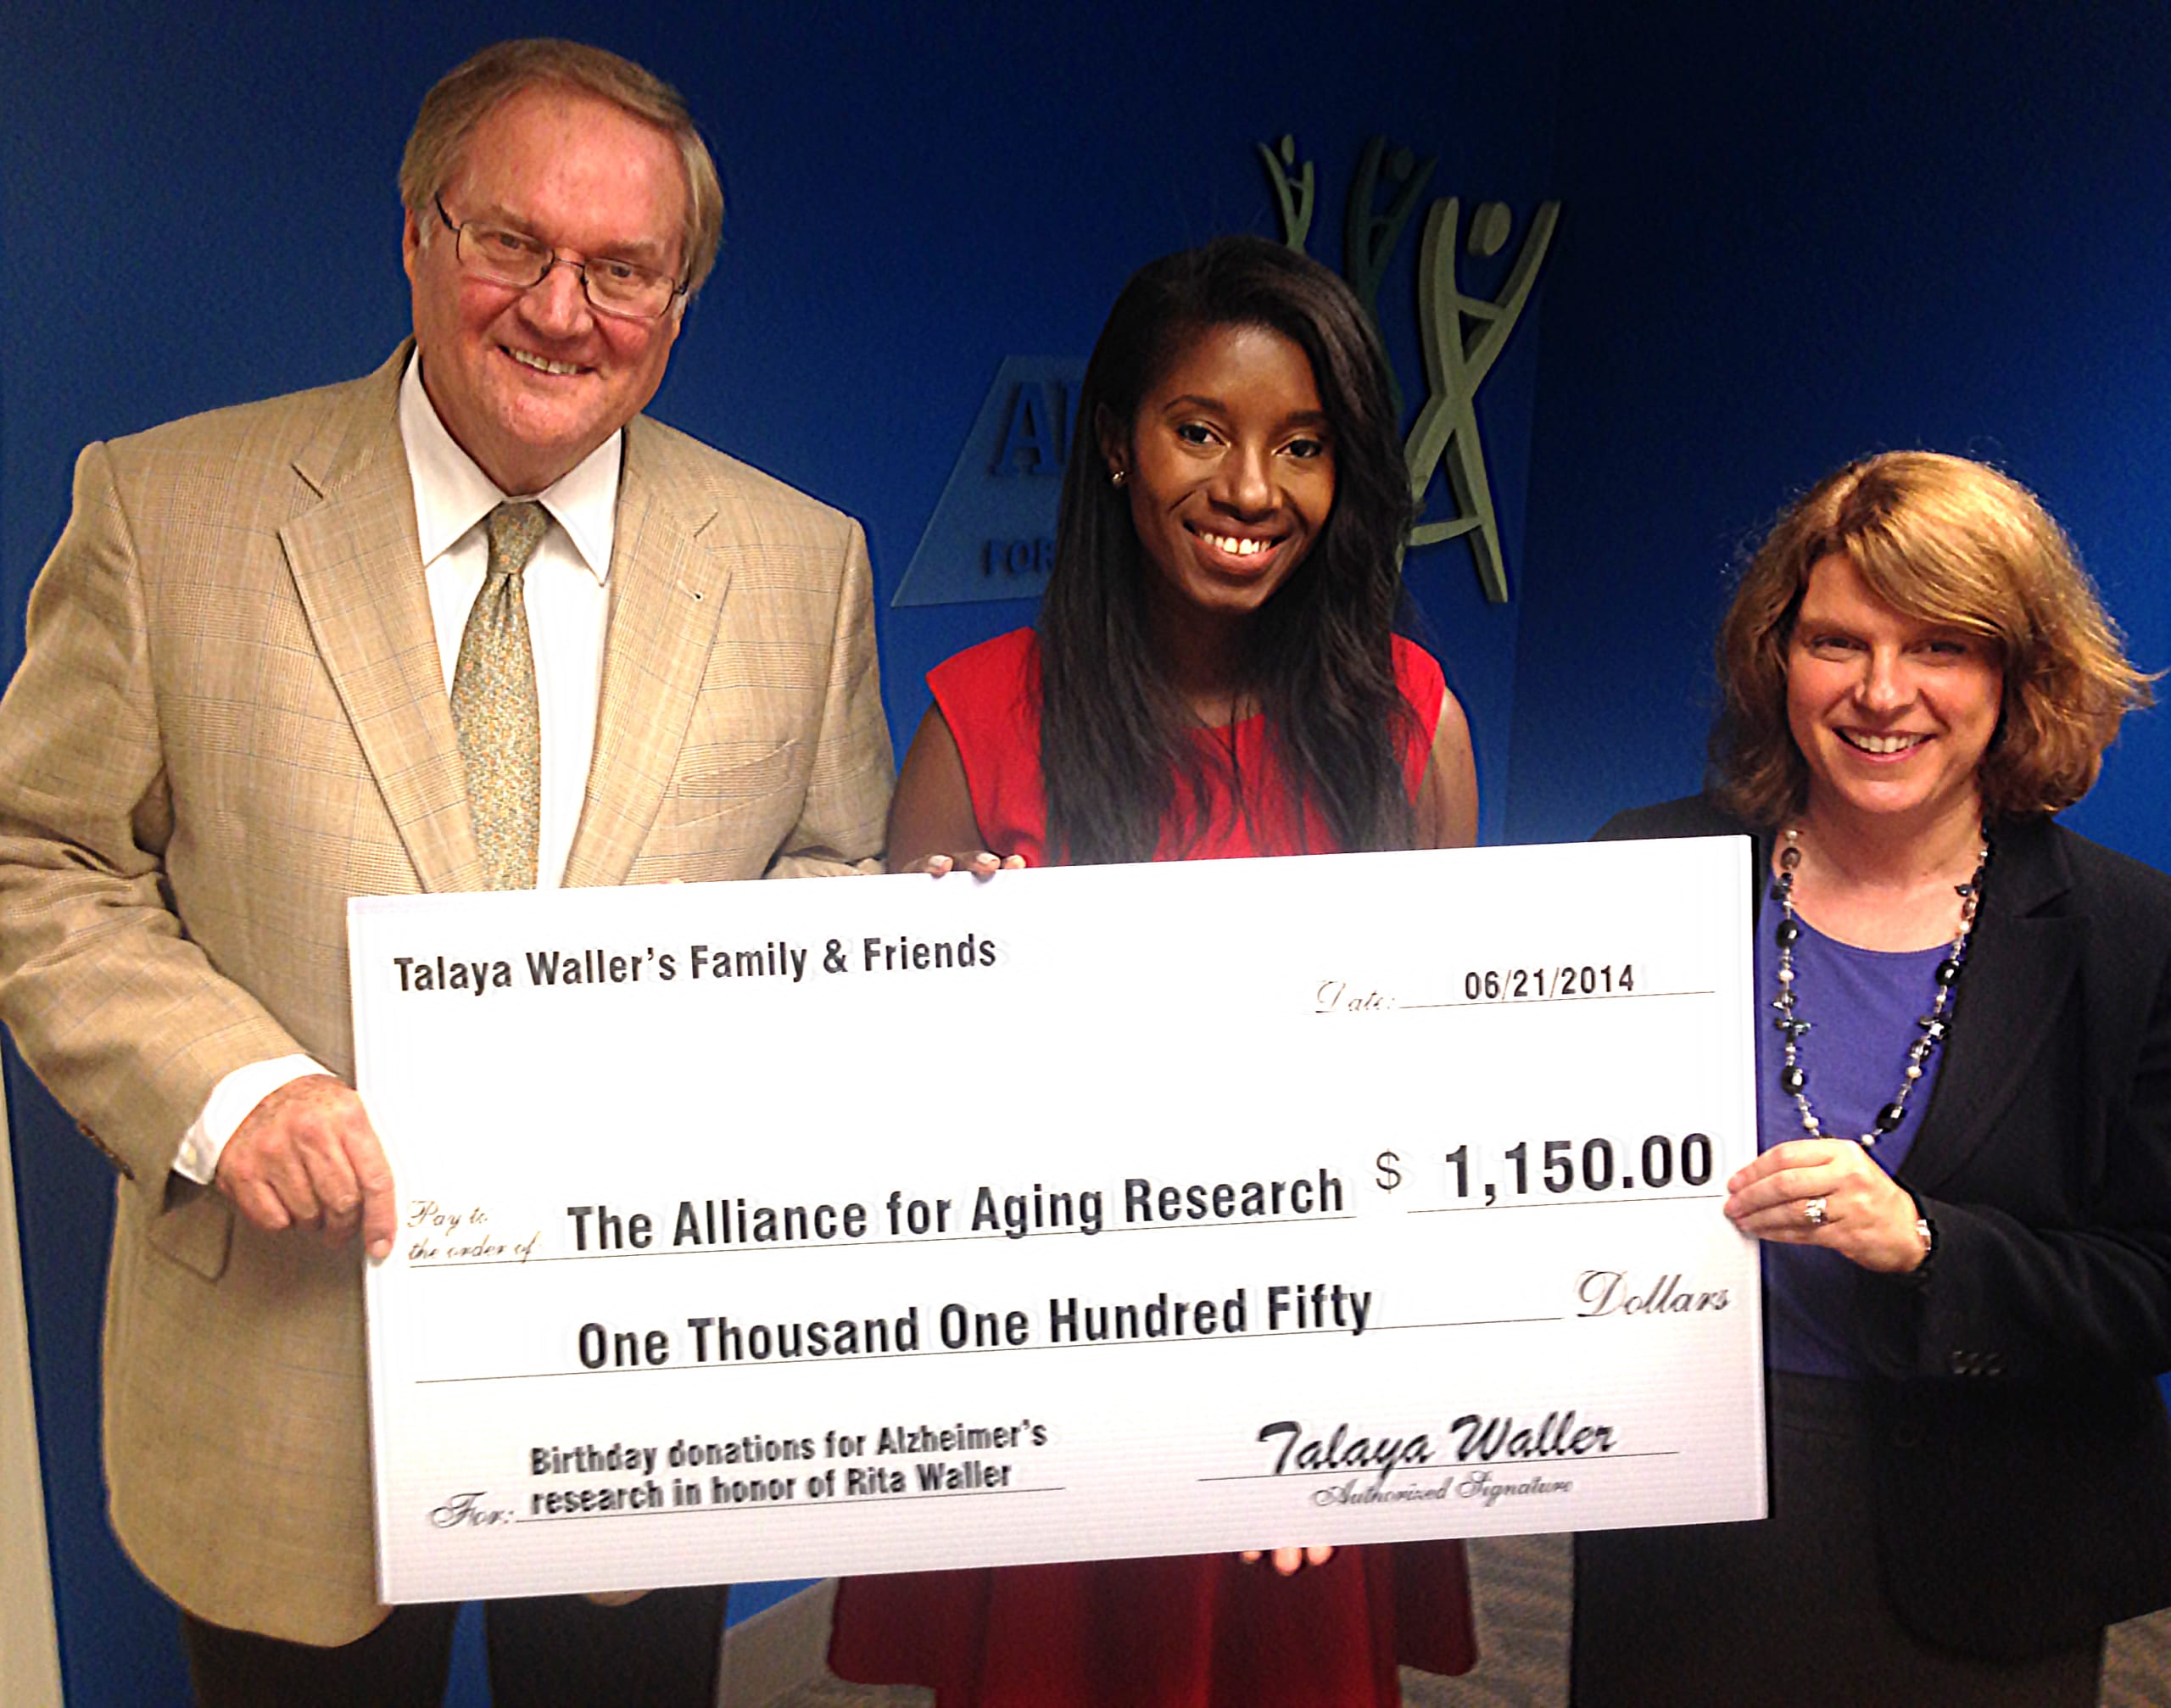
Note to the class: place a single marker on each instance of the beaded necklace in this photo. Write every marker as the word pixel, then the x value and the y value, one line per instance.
pixel 1794 1080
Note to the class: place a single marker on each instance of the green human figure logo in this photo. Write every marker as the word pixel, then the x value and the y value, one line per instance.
pixel 1462 335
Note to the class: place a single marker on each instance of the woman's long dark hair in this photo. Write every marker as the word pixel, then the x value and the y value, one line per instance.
pixel 1119 756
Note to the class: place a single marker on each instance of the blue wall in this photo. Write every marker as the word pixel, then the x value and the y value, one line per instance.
pixel 199 209
pixel 1835 229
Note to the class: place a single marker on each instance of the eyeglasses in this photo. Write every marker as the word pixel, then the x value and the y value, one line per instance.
pixel 515 259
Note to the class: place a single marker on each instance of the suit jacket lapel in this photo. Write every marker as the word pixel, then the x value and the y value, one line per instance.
pixel 2021 959
pixel 358 568
pixel 667 590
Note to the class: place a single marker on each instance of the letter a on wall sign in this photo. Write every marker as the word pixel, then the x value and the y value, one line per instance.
pixel 992 535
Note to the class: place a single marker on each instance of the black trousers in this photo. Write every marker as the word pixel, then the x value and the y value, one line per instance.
pixel 1790 1612
pixel 551 1651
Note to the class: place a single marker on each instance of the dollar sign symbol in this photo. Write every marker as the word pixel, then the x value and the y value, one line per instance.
pixel 1389 1177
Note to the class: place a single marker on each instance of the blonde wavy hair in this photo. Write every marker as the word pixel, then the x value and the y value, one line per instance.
pixel 471 91
pixel 1947 541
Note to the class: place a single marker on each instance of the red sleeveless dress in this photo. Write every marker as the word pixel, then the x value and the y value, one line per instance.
pixel 1197 1631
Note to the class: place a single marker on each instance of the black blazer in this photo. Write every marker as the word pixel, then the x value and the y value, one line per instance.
pixel 2024 1491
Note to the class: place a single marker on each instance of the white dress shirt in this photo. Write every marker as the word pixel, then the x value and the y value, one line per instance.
pixel 566 587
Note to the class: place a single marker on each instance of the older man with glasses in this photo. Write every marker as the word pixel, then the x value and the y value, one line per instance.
pixel 472 622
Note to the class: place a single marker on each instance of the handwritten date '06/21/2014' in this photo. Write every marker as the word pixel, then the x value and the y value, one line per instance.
pixel 1565 983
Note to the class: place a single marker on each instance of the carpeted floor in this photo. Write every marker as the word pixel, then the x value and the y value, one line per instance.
pixel 773 1659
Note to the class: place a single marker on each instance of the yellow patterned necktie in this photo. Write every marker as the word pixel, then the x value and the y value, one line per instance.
pixel 494 706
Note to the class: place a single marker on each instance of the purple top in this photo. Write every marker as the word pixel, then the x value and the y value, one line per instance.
pixel 1862 1005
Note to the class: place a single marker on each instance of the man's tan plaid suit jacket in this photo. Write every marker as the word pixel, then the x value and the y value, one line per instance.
pixel 230 718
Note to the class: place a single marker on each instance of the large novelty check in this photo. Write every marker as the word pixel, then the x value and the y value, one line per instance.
pixel 762 1230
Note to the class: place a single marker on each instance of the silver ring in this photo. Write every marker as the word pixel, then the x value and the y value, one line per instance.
pixel 1813 1212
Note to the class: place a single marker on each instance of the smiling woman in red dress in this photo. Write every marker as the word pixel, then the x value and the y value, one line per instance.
pixel 1215 675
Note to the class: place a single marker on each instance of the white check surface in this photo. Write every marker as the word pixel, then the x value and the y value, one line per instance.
pixel 1160 1209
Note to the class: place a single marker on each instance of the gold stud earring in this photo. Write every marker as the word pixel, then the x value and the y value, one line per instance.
pixel 1116 476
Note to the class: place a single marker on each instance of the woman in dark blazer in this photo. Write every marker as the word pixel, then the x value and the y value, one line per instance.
pixel 1964 1179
